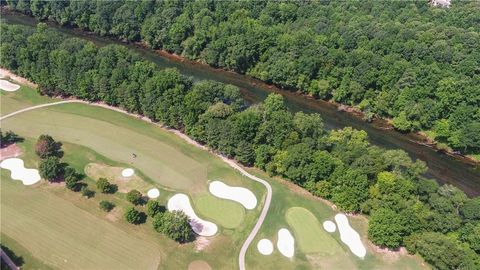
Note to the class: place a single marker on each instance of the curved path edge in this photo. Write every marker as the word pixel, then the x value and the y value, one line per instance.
pixel 230 162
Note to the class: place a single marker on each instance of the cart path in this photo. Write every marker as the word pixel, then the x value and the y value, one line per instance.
pixel 230 162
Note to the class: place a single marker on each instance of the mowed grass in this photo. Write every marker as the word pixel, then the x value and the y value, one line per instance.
pixel 225 213
pixel 114 175
pixel 164 163
pixel 67 237
pixel 22 98
pixel 309 234
pixel 287 195
pixel 91 135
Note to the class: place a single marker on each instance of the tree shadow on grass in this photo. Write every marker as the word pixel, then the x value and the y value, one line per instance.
pixel 18 260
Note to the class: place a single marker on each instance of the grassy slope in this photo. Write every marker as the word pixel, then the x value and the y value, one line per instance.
pixel 86 125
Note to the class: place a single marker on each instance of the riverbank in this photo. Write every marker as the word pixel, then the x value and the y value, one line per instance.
pixel 420 137
pixel 441 166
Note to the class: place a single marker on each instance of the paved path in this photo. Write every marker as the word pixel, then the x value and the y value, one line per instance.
pixel 8 261
pixel 232 163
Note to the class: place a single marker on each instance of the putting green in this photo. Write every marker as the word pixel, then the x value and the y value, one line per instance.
pixel 225 213
pixel 309 233
pixel 67 237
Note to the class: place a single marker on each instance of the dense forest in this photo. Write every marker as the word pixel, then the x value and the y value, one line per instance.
pixel 438 222
pixel 405 60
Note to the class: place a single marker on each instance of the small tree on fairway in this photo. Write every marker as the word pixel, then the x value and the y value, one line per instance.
pixel 105 187
pixel 154 208
pixel 50 169
pixel 8 138
pixel 134 217
pixel 46 146
pixel 134 196
pixel 106 206
pixel 175 225
pixel 71 178
pixel 87 192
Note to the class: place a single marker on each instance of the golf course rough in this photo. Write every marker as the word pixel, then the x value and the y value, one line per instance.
pixel 8 86
pixel 349 236
pixel 181 202
pixel 19 172
pixel 265 247
pixel 286 243
pixel 238 194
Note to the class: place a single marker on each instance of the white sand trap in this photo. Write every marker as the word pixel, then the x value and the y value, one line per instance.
pixel 265 247
pixel 329 226
pixel 19 172
pixel 128 172
pixel 8 86
pixel 182 203
pixel 153 193
pixel 239 194
pixel 349 236
pixel 286 243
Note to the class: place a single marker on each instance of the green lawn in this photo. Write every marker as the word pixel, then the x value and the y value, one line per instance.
pixel 309 234
pixel 54 226
pixel 22 98
pixel 226 213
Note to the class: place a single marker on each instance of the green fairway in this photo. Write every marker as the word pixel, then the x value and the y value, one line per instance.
pixel 47 224
pixel 65 236
pixel 22 98
pixel 309 233
pixel 225 213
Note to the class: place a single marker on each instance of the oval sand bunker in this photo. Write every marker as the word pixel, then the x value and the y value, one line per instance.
pixel 349 236
pixel 8 86
pixel 286 243
pixel 329 226
pixel 127 172
pixel 239 194
pixel 153 193
pixel 180 202
pixel 19 172
pixel 265 247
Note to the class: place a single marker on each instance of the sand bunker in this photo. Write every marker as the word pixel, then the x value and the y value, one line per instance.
pixel 286 243
pixel 128 172
pixel 329 226
pixel 8 86
pixel 153 193
pixel 239 194
pixel 199 265
pixel 182 203
pixel 349 236
pixel 265 247
pixel 19 172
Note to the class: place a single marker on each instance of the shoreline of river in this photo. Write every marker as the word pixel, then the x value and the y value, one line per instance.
pixel 377 122
pixel 445 168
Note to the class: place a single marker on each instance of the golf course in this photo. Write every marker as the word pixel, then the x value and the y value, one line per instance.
pixel 51 227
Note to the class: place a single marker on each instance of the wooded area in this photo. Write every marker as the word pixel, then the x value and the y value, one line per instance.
pixel 405 208
pixel 396 59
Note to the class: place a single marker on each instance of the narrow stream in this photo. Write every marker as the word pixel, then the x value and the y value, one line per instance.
pixel 442 167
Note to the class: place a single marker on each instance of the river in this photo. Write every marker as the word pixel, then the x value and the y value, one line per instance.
pixel 442 167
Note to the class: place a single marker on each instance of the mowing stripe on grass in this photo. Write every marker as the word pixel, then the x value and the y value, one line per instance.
pixel 309 233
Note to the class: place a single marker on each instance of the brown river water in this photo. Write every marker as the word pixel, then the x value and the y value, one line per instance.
pixel 442 167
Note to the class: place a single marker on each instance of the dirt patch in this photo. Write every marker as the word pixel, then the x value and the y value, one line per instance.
pixel 201 243
pixel 114 215
pixel 10 151
pixel 199 265
pixel 7 74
